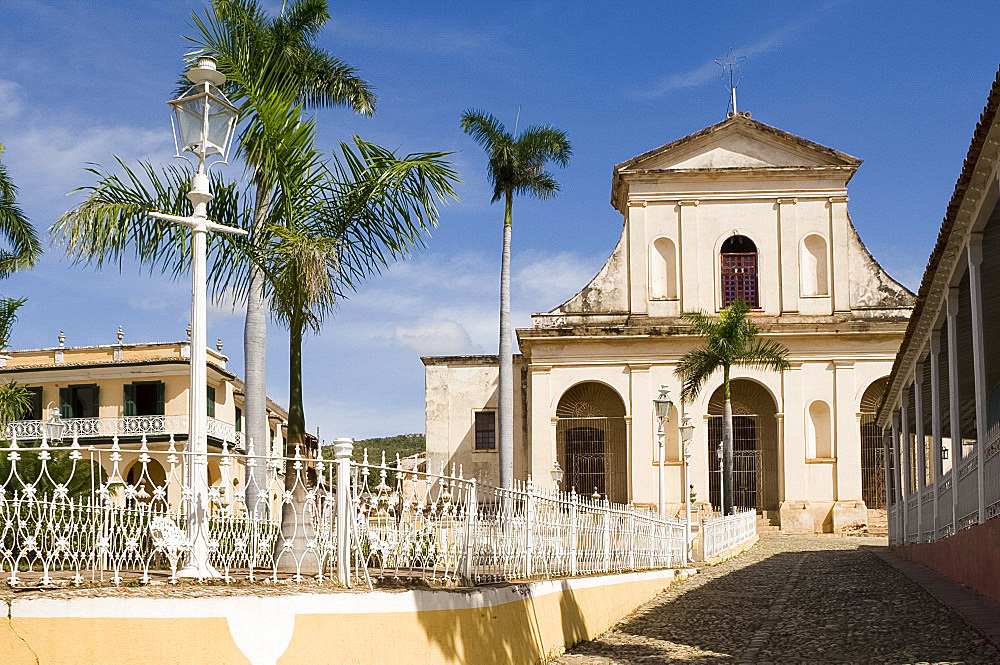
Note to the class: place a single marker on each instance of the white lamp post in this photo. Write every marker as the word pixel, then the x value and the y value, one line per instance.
pixel 661 408
pixel 203 125
pixel 687 432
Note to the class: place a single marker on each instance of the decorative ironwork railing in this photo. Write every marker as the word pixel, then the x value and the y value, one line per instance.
pixel 82 428
pixel 441 526
pixel 74 513
pixel 724 533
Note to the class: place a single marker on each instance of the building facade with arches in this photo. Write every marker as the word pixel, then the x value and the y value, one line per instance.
pixel 739 210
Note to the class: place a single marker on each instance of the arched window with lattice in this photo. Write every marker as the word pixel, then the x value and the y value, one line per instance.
pixel 738 259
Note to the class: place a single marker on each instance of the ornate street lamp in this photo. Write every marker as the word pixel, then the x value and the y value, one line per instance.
pixel 203 125
pixel 687 432
pixel 557 474
pixel 661 409
pixel 54 426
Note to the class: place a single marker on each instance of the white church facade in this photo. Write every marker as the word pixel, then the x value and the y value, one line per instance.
pixel 739 210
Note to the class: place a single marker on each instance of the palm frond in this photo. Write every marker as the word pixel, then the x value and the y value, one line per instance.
pixel 694 369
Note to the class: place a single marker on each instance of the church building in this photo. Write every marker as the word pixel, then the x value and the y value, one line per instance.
pixel 738 210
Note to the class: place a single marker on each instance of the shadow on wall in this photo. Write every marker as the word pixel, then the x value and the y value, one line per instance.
pixel 505 634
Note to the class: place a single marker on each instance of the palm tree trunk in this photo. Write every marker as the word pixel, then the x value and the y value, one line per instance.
pixel 254 367
pixel 506 360
pixel 296 525
pixel 727 449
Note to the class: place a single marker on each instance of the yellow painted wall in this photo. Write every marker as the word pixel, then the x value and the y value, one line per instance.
pixel 489 626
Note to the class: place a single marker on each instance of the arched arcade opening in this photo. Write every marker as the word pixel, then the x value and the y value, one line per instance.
pixel 755 446
pixel 591 441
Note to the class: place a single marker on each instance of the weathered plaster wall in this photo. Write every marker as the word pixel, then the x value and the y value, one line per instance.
pixel 501 625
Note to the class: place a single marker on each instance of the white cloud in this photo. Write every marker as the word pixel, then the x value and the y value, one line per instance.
pixel 548 280
pixel 49 160
pixel 10 100
pixel 435 338
pixel 710 71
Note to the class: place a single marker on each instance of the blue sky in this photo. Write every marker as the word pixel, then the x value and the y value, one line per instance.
pixel 899 85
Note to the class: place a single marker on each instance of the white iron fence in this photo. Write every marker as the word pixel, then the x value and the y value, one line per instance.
pixel 125 513
pixel 720 534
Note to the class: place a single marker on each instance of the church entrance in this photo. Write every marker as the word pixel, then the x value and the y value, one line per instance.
pixel 591 441
pixel 872 471
pixel 755 446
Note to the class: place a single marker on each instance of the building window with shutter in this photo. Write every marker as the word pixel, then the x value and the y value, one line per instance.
pixel 144 398
pixel 739 272
pixel 34 409
pixel 210 402
pixel 239 419
pixel 486 427
pixel 79 401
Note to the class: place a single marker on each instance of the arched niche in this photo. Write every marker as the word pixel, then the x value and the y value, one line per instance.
pixel 813 274
pixel 819 431
pixel 663 270
pixel 591 440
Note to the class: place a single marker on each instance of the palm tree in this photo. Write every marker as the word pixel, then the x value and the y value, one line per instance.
pixel 25 247
pixel 265 58
pixel 516 166
pixel 731 340
pixel 24 250
pixel 271 64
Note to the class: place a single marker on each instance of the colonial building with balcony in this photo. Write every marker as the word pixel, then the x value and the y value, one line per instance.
pixel 941 412
pixel 130 396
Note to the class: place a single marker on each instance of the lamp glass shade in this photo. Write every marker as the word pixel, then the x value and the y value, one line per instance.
pixel 54 426
pixel 203 104
pixel 687 429
pixel 557 473
pixel 661 406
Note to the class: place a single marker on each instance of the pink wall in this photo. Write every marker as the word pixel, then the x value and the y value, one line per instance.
pixel 971 557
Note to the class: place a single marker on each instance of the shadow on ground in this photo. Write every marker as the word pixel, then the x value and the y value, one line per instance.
pixel 846 606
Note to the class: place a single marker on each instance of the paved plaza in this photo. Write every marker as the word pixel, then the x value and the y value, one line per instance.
pixel 793 599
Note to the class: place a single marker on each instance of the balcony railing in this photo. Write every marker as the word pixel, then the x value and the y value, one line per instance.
pixel 85 428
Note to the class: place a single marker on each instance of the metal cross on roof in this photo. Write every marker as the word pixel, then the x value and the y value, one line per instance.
pixel 730 64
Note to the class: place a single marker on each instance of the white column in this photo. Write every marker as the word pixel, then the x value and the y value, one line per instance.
pixel 954 413
pixel 788 259
pixel 918 436
pixel 935 360
pixel 839 264
pixel 897 481
pixel 904 412
pixel 975 252
pixel 689 252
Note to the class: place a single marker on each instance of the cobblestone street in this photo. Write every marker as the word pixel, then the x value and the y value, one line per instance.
pixel 792 599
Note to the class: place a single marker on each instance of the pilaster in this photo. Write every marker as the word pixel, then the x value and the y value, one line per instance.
pixel 689 268
pixel 847 434
pixel 839 261
pixel 642 475
pixel 788 259
pixel 543 428
pixel 638 256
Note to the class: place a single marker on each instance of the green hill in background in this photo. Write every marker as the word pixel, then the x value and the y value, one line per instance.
pixel 402 444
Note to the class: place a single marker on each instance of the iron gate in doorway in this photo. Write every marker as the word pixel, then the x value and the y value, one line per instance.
pixel 753 484
pixel 872 471
pixel 592 453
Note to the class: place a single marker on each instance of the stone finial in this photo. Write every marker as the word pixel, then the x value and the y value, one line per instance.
pixel 189 332
pixel 62 339
pixel 121 334
pixel 218 345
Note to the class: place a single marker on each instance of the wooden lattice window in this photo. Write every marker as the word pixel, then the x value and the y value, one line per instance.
pixel 739 272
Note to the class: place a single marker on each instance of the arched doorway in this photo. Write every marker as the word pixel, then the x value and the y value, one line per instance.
pixel 755 445
pixel 872 471
pixel 738 259
pixel 591 441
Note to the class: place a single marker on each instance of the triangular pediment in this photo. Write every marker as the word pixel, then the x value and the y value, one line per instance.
pixel 739 142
